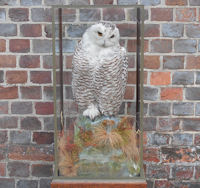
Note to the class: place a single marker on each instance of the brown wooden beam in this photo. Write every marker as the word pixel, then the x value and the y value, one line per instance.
pixel 99 184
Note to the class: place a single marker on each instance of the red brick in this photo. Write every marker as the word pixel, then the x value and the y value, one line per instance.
pixel 3 107
pixel 132 44
pixel 193 30
pixel 131 61
pixel 45 46
pixel 190 124
pixel 31 30
pixel 163 184
pixel 67 77
pixel 8 92
pixel 2 76
pixel 160 78
pixel 158 171
pixel 42 14
pixel 49 123
pixel 182 172
pixel 48 61
pixel 29 61
pixel 48 93
pixel 186 14
pixel 161 14
pixel 33 153
pixel 2 45
pixel 31 92
pixel 42 170
pixel 87 15
pixel 161 45
pixel 197 174
pixel 113 14
pixel 19 45
pixel 40 77
pixel 158 139
pixel 171 94
pixel 19 14
pixel 32 183
pixel 69 15
pixel 68 92
pixel 177 155
pixel 20 137
pixel 44 108
pixel 152 62
pixel 103 2
pixel 48 30
pixel 30 123
pixel 3 151
pixel 2 169
pixel 149 123
pixel 151 155
pixel 129 93
pixel 193 62
pixel 168 124
pixel 127 30
pixel 16 77
pixel 146 45
pixel 43 137
pixel 3 137
pixel 151 30
pixel 21 107
pixel 7 61
pixel 198 154
pixel 197 140
pixel 199 16
pixel 69 61
pixel 173 62
pixel 71 107
pixel 185 46
pixel 176 2
pixel 132 77
pixel 7 182
pixel 18 169
pixel 8 122
pixel 145 139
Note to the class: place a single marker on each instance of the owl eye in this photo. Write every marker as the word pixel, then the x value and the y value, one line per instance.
pixel 112 36
pixel 100 34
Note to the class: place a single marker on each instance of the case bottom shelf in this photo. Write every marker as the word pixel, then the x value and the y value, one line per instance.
pixel 98 184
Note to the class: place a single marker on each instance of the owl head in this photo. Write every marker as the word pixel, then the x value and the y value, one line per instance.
pixel 103 34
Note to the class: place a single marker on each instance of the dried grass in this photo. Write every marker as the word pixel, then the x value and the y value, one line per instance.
pixel 66 165
pixel 123 137
pixel 104 138
pixel 66 158
pixel 129 135
pixel 130 149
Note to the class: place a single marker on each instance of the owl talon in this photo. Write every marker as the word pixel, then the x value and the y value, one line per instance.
pixel 91 112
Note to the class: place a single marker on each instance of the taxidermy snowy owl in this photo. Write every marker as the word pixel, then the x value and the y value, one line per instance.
pixel 99 72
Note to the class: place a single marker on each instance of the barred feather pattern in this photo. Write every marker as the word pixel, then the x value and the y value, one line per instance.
pixel 102 82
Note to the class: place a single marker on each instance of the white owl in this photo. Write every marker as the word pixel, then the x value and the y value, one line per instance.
pixel 99 72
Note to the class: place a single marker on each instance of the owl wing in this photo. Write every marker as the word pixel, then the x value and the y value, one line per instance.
pixel 110 82
pixel 81 78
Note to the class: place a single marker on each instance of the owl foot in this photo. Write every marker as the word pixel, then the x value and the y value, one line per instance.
pixel 91 112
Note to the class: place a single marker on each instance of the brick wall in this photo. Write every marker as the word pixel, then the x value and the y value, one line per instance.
pixel 172 118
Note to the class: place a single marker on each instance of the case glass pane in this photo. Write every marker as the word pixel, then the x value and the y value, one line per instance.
pixel 98 121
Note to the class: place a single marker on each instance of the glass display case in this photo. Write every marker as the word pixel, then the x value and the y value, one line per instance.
pixel 98 92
